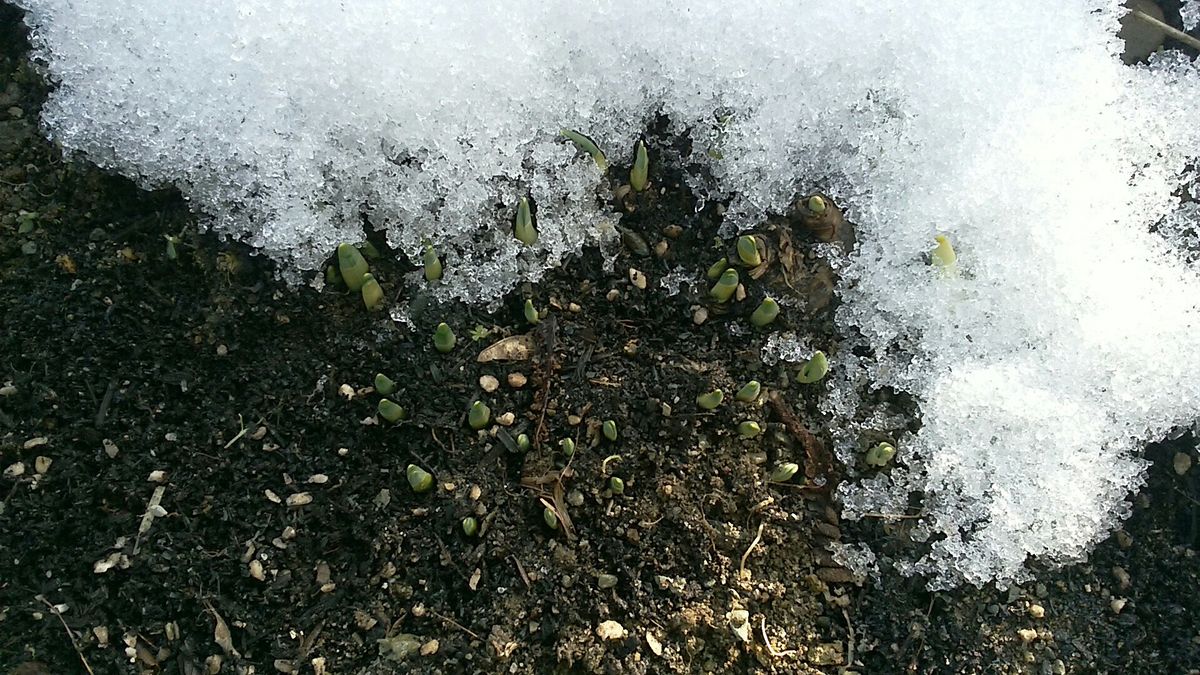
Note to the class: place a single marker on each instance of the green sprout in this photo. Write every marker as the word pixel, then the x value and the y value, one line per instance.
pixel 716 269
pixel 749 429
pixel 523 443
pixel 443 338
pixel 749 391
pixel 390 411
pixel 384 385
pixel 567 445
pixel 589 146
pixel 332 276
pixel 172 242
pixel 419 479
pixel 479 416
pixel 524 230
pixel 352 266
pixel 470 526
pixel 943 256
pixel 813 369
pixel 368 249
pixel 784 472
pixel 616 485
pixel 480 332
pixel 531 313
pixel 723 290
pixel 639 175
pixel 710 400
pixel 880 455
pixel 433 264
pixel 747 250
pixel 765 314
pixel 816 204
pixel 550 517
pixel 372 293
pixel 609 429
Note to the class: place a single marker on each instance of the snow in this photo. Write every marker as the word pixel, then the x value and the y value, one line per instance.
pixel 1065 342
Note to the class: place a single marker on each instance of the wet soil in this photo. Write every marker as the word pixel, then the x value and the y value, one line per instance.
pixel 197 481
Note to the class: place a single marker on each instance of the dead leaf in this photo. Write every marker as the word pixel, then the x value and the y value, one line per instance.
pixel 221 634
pixel 512 348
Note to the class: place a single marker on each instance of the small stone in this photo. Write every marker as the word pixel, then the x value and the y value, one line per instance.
pixel 700 316
pixel 222 350
pixel 613 295
pixel 8 390
pixel 517 380
pixel 35 442
pixel 661 248
pixel 1027 634
pixel 575 498
pixel 256 570
pixel 289 533
pixel 488 383
pixel 1182 462
pixel 342 452
pixel 429 648
pixel 740 293
pixel 347 391
pixel 606 581
pixel 1037 611
pixel 299 499
pixel 638 279
pixel 1122 577
pixel 506 420
pixel 318 479
pixel 1117 605
pixel 271 496
pixel 672 231
pixel 157 477
pixel 42 464
pixel 110 449
pixel 611 630
pixel 101 633
pixel 1124 539
pixel 665 408
pixel 655 645
pixel 574 308
pixel 14 470
pixel 574 420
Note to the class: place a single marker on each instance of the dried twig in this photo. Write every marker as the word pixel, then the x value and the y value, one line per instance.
pixel 757 538
pixel 767 641
pixel 1167 28
pixel 454 623
pixel 70 635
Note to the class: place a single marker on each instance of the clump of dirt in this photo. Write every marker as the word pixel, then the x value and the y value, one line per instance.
pixel 197 480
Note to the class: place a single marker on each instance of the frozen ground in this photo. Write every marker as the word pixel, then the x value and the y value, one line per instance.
pixel 1064 342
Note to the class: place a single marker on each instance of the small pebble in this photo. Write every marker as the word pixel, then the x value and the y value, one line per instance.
pixel 1182 462
pixel 299 499
pixel 222 350
pixel 35 442
pixel 256 570
pixel 637 278
pixel 574 308
pixel 489 383
pixel 700 316
pixel 574 420
pixel 318 479
pixel 506 420
pixel 1117 605
pixel 8 390
pixel 1122 577
pixel 342 452
pixel 611 630
pixel 660 249
pixel 575 498
pixel 157 477
pixel 42 464
pixel 613 295
pixel 429 648
pixel 1027 634
pixel 1037 611
pixel 14 470
pixel 517 380
pixel 672 231
pixel 606 581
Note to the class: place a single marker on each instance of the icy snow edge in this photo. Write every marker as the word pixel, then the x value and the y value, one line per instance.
pixel 1067 341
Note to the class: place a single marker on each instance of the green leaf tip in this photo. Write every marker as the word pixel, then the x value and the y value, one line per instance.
pixel 479 416
pixel 443 338
pixel 813 369
pixel 749 429
pixel 723 290
pixel 589 146
pixel 747 250
pixel 352 266
pixel 639 175
pixel 710 400
pixel 784 472
pixel 384 386
pixel 880 455
pixel 433 264
pixel 390 411
pixel 523 230
pixel 765 314
pixel 609 429
pixel 749 391
pixel 372 293
pixel 470 526
pixel 419 479
pixel 531 313
pixel 616 486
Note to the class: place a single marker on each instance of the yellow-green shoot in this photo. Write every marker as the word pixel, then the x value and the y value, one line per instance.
pixel 589 146
pixel 723 290
pixel 433 264
pixel 352 266
pixel 523 230
pixel 813 369
pixel 639 175
pixel 443 338
pixel 747 250
pixel 767 312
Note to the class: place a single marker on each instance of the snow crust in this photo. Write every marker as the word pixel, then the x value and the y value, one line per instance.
pixel 1068 339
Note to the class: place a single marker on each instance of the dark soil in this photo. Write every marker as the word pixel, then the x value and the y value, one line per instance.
pixel 118 362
